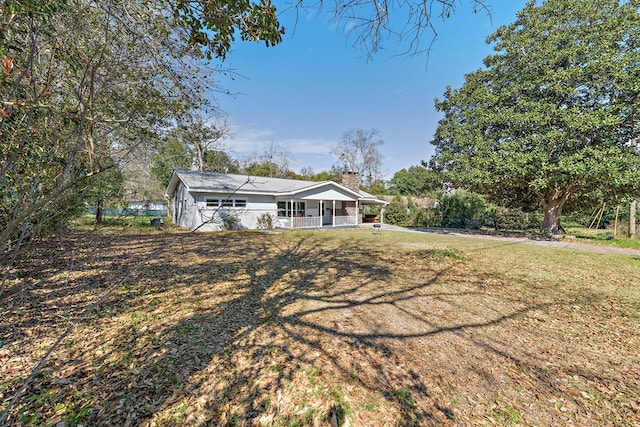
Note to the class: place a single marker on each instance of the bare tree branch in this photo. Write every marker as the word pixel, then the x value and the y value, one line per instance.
pixel 372 22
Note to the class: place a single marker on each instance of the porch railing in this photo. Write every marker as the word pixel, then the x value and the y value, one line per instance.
pixel 345 220
pixel 316 222
pixel 307 222
pixel 300 222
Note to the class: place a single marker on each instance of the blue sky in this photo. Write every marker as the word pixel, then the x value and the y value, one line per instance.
pixel 303 94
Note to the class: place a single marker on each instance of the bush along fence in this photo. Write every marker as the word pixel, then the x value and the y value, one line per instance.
pixel 469 210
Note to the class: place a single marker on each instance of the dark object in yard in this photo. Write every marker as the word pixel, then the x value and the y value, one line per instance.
pixel 158 223
pixel 377 228
pixel 609 238
pixel 371 218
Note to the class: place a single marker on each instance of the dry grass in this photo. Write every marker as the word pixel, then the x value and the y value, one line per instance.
pixel 304 328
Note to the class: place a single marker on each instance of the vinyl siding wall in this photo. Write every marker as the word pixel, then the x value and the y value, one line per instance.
pixel 247 208
pixel 184 207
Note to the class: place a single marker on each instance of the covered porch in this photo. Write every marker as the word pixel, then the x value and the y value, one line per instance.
pixel 326 205
pixel 309 213
pixel 305 213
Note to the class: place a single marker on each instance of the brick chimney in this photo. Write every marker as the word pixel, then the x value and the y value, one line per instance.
pixel 351 180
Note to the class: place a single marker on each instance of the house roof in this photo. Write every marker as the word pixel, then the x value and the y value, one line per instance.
pixel 220 182
pixel 371 199
pixel 242 184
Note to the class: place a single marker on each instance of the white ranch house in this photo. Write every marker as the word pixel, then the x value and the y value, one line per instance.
pixel 204 200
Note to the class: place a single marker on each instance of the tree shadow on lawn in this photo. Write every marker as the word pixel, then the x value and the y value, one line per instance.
pixel 62 277
pixel 242 329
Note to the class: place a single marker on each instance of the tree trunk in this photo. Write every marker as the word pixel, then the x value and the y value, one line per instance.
pixel 551 223
pixel 632 219
pixel 200 158
pixel 169 208
pixel 99 212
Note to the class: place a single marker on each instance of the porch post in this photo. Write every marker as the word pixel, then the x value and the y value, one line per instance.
pixel 291 202
pixel 382 209
pixel 357 213
pixel 321 212
pixel 333 217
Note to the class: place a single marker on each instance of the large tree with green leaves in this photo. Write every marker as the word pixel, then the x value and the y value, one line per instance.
pixel 274 162
pixel 171 154
pixel 415 181
pixel 203 136
pixel 552 114
pixel 83 84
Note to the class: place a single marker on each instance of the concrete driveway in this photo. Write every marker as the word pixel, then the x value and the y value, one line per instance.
pixel 564 243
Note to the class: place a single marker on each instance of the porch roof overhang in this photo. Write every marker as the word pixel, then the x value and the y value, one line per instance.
pixel 324 191
pixel 370 199
pixel 364 202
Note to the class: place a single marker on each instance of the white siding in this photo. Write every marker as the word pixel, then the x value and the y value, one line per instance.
pixel 248 215
pixel 184 207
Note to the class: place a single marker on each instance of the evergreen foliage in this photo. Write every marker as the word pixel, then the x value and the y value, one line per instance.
pixel 551 116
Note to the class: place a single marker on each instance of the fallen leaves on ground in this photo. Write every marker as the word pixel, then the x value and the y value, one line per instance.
pixel 318 328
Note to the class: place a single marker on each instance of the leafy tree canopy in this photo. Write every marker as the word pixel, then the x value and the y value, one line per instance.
pixel 377 187
pixel 274 161
pixel 204 135
pixel 415 181
pixel 220 161
pixel 213 25
pixel 551 115
pixel 172 154
pixel 334 174
pixel 268 168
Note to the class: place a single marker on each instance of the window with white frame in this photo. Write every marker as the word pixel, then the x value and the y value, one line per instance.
pixel 225 203
pixel 285 209
pixel 282 209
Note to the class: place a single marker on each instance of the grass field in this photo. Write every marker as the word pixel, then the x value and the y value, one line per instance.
pixel 605 237
pixel 310 328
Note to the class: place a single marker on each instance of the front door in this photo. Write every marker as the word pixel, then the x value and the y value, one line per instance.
pixel 327 216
